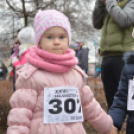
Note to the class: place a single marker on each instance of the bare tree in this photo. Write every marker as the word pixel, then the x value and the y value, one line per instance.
pixel 17 14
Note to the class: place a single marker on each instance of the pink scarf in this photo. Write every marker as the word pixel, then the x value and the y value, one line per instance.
pixel 52 62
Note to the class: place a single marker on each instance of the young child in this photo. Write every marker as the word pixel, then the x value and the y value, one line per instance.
pixel 26 39
pixel 123 103
pixel 51 89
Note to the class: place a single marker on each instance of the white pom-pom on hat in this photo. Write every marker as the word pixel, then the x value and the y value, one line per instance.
pixel 27 36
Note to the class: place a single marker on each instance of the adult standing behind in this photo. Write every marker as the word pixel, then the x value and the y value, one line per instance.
pixel 15 43
pixel 1 74
pixel 4 69
pixel 117 22
pixel 83 56
pixel 12 51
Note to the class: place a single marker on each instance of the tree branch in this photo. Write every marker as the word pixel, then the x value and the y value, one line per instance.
pixel 8 3
pixel 24 13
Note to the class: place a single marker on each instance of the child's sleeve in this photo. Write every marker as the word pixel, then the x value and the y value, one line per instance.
pixel 118 110
pixel 93 112
pixel 22 102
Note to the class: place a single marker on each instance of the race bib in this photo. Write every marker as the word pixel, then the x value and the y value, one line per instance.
pixel 62 105
pixel 130 103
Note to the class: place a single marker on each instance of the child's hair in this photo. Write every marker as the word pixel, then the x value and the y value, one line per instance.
pixel 26 36
pixel 47 19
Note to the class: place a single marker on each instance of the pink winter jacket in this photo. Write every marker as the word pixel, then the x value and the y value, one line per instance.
pixel 27 102
pixel 26 116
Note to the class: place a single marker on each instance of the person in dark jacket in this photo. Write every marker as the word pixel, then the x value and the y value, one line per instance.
pixel 4 69
pixel 115 17
pixel 119 110
pixel 83 57
pixel 1 74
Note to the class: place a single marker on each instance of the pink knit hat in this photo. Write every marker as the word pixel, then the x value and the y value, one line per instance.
pixel 49 18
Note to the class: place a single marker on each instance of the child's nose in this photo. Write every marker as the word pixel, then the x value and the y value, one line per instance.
pixel 56 42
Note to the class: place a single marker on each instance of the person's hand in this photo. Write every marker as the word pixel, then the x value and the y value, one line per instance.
pixel 113 131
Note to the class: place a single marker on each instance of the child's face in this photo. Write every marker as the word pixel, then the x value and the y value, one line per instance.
pixel 55 40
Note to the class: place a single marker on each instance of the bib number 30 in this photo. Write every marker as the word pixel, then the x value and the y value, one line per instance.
pixel 69 106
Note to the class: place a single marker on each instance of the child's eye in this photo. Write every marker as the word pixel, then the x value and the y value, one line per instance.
pixel 62 37
pixel 49 37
